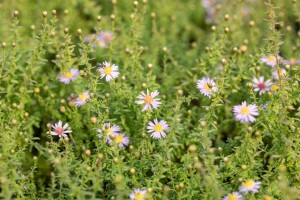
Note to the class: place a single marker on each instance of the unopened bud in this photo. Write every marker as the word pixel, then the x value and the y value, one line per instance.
pixel 16 13
pixel 87 152
pixel 226 30
pixel 180 92
pixel 94 120
pixel 66 30
pixel 112 17
pixel 192 148
pixel 45 14
pixel 224 61
pixel 226 17
pixel 132 171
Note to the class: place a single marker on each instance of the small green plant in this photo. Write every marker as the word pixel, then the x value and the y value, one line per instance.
pixel 150 99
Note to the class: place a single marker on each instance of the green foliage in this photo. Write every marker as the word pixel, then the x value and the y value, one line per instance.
pixel 158 45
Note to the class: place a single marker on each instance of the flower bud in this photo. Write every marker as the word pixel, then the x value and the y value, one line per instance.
pixel 37 90
pixel 192 148
pixel 112 17
pixel 87 152
pixel 45 14
pixel 100 156
pixel 62 109
pixel 132 171
pixel 203 124
pixel 56 161
pixel 226 159
pixel 118 179
pixel 66 30
pixel 180 92
pixel 224 61
pixel 198 166
pixel 94 120
pixel 16 13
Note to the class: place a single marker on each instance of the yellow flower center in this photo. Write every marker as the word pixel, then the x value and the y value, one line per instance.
pixel 119 138
pixel 68 74
pixel 232 197
pixel 107 36
pixel 245 110
pixel 207 87
pixel 82 97
pixel 138 196
pixel 148 99
pixel 107 70
pixel 293 61
pixel 249 184
pixel 267 197
pixel 158 128
pixel 274 88
pixel 272 59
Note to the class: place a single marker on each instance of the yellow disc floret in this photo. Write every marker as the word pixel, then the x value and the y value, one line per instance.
pixel 107 70
pixel 158 128
pixel 245 110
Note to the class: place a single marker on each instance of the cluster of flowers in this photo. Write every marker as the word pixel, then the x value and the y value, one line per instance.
pixel 106 70
pixel 101 39
pixel 248 186
pixel 245 113
pixel 156 128
pixel 111 132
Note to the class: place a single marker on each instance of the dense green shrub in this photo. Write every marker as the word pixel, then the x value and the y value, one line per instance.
pixel 215 126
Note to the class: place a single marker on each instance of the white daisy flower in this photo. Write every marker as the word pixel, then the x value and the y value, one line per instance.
pixel 157 128
pixel 138 194
pixel 271 60
pixel 68 76
pixel 107 131
pixel 250 186
pixel 59 129
pixel 207 86
pixel 244 113
pixel 261 86
pixel 108 71
pixel 278 73
pixel 82 98
pixel 233 196
pixel 120 139
pixel 149 100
